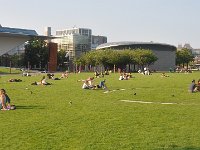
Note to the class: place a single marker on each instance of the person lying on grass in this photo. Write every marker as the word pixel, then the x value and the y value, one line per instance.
pixel 164 75
pixel 14 80
pixel 102 84
pixel 42 82
pixel 51 76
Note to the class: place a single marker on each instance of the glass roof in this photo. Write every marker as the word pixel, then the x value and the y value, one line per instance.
pixel 18 31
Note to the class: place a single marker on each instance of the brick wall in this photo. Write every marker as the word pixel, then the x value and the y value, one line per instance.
pixel 52 65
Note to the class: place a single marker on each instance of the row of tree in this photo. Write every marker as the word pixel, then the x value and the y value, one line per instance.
pixel 120 58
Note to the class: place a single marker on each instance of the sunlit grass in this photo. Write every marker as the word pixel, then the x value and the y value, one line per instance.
pixel 8 70
pixel 44 118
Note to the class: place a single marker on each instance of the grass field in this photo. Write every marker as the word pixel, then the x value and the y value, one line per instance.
pixel 44 119
pixel 8 70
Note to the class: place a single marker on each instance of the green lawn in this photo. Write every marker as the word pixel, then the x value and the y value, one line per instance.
pixel 8 70
pixel 44 119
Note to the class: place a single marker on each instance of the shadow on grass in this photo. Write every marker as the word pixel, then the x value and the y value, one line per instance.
pixel 145 87
pixel 190 148
pixel 29 107
pixel 175 147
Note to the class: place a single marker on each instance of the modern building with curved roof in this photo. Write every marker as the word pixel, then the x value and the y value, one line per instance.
pixel 11 38
pixel 165 53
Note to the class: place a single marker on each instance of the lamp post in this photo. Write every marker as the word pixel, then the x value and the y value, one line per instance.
pixel 67 57
pixel 28 66
pixel 10 66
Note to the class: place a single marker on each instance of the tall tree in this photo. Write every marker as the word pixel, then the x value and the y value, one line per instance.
pixel 183 57
pixel 36 53
pixel 62 58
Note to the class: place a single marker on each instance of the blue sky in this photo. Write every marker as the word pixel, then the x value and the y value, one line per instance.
pixel 164 21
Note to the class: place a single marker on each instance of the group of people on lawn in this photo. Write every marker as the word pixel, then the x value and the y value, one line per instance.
pixel 99 75
pixel 125 76
pixel 145 72
pixel 5 100
pixel 43 81
pixel 89 84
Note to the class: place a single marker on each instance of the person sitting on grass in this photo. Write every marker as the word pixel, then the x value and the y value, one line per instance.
pixel 90 81
pixel 44 82
pixel 50 75
pixel 2 100
pixel 125 76
pixel 129 75
pixel 121 77
pixel 106 72
pixel 7 98
pixel 192 87
pixel 85 85
pixel 8 105
pixel 102 74
pixel 96 74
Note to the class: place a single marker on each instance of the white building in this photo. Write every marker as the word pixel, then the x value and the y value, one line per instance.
pixel 12 38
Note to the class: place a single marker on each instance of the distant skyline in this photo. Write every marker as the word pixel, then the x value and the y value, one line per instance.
pixel 164 21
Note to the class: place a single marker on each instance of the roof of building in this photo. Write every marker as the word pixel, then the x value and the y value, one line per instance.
pixel 18 31
pixel 126 43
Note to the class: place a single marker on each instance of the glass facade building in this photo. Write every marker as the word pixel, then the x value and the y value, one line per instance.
pixel 74 41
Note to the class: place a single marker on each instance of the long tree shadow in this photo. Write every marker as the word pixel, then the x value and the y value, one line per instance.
pixel 175 147
pixel 190 148
pixel 29 107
